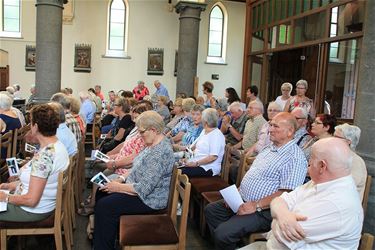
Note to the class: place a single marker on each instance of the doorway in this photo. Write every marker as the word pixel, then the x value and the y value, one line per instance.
pixel 291 66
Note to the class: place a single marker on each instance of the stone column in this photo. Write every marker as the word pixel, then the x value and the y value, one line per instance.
pixel 188 45
pixel 364 110
pixel 48 48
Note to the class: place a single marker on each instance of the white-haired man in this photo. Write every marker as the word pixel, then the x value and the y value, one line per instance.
pixel 301 136
pixel 351 134
pixel 236 127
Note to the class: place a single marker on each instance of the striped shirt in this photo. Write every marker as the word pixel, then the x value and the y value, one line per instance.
pixel 73 125
pixel 273 169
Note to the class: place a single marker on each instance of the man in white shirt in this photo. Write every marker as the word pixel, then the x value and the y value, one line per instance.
pixel 325 213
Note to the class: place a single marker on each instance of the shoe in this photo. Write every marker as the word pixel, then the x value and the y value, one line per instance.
pixel 85 211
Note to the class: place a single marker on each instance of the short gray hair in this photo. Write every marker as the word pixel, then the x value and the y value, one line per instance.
pixel 274 105
pixel 62 99
pixel 222 104
pixel 258 104
pixel 59 109
pixel 187 104
pixel 302 82
pixel 150 119
pixel 198 107
pixel 211 117
pixel 84 95
pixel 5 101
pixel 236 106
pixel 351 133
pixel 304 112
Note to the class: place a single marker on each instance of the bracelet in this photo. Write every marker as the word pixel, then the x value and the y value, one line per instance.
pixel 122 178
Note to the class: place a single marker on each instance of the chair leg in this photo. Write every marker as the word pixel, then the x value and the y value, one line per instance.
pixel 67 234
pixel 202 224
pixel 58 239
pixel 3 239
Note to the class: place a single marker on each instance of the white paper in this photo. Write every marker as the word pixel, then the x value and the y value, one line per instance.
pixel 100 179
pixel 30 148
pixel 232 197
pixel 100 156
pixel 13 166
pixel 93 152
pixel 3 205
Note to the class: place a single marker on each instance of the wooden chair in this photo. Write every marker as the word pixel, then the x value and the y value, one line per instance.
pixel 212 183
pixel 50 225
pixel 93 132
pixel 161 229
pixel 367 242
pixel 70 208
pixel 6 141
pixel 212 196
pixel 19 140
pixel 366 194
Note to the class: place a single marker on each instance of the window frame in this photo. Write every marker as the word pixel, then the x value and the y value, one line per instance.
pixel 11 34
pixel 115 53
pixel 222 58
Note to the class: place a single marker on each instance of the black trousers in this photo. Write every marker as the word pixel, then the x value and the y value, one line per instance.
pixel 108 209
pixel 227 228
pixel 196 172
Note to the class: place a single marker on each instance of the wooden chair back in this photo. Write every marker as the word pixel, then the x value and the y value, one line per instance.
pixel 245 164
pixel 93 133
pixel 366 193
pixel 54 229
pixel 7 143
pixel 367 242
pixel 176 172
pixel 19 140
pixel 225 164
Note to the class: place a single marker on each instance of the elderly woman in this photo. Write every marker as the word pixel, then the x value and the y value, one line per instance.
pixel 8 119
pixel 33 197
pixel 286 89
pixel 177 113
pixel 264 135
pixel 322 127
pixel 75 106
pixel 122 126
pixel 209 149
pixel 163 109
pixel 144 190
pixel 194 131
pixel 300 99
pixel 351 135
pixel 180 129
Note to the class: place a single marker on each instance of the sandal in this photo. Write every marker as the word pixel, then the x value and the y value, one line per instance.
pixel 86 202
pixel 85 211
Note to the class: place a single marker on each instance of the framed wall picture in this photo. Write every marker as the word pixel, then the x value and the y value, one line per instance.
pixel 155 61
pixel 82 58
pixel 30 58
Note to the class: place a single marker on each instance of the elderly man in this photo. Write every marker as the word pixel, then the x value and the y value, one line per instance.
pixel 235 128
pixel 140 91
pixel 98 92
pixel 160 89
pixel 351 134
pixel 70 121
pixel 301 136
pixel 325 213
pixel 278 168
pixel 88 107
pixel 252 128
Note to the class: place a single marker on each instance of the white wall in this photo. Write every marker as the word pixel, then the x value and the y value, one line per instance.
pixel 150 25
pixel 230 75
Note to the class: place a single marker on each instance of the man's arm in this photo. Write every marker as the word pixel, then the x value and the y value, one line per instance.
pixel 235 133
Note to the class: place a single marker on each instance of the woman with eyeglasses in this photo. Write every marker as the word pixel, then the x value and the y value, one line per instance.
pixel 286 89
pixel 322 127
pixel 144 190
pixel 300 99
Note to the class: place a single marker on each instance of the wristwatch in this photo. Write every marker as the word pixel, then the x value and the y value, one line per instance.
pixel 258 208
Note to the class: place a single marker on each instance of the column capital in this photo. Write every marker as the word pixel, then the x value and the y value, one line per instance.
pixel 182 5
pixel 57 3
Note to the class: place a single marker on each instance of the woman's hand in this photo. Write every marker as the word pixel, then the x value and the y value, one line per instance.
pixel 9 186
pixel 112 187
pixel 191 164
pixel 3 196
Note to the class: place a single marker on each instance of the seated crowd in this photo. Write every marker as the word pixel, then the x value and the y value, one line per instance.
pixel 305 185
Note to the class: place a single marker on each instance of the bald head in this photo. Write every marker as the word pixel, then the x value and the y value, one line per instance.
pixel 335 157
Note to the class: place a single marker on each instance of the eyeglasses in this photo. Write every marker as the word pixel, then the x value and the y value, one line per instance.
pixel 301 88
pixel 142 131
pixel 285 89
pixel 117 105
pixel 273 110
pixel 300 118
pixel 340 137
pixel 317 122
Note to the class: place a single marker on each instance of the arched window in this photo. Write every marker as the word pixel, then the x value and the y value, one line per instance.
pixel 117 28
pixel 217 34
pixel 10 18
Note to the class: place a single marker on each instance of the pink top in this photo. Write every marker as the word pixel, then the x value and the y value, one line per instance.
pixel 133 145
